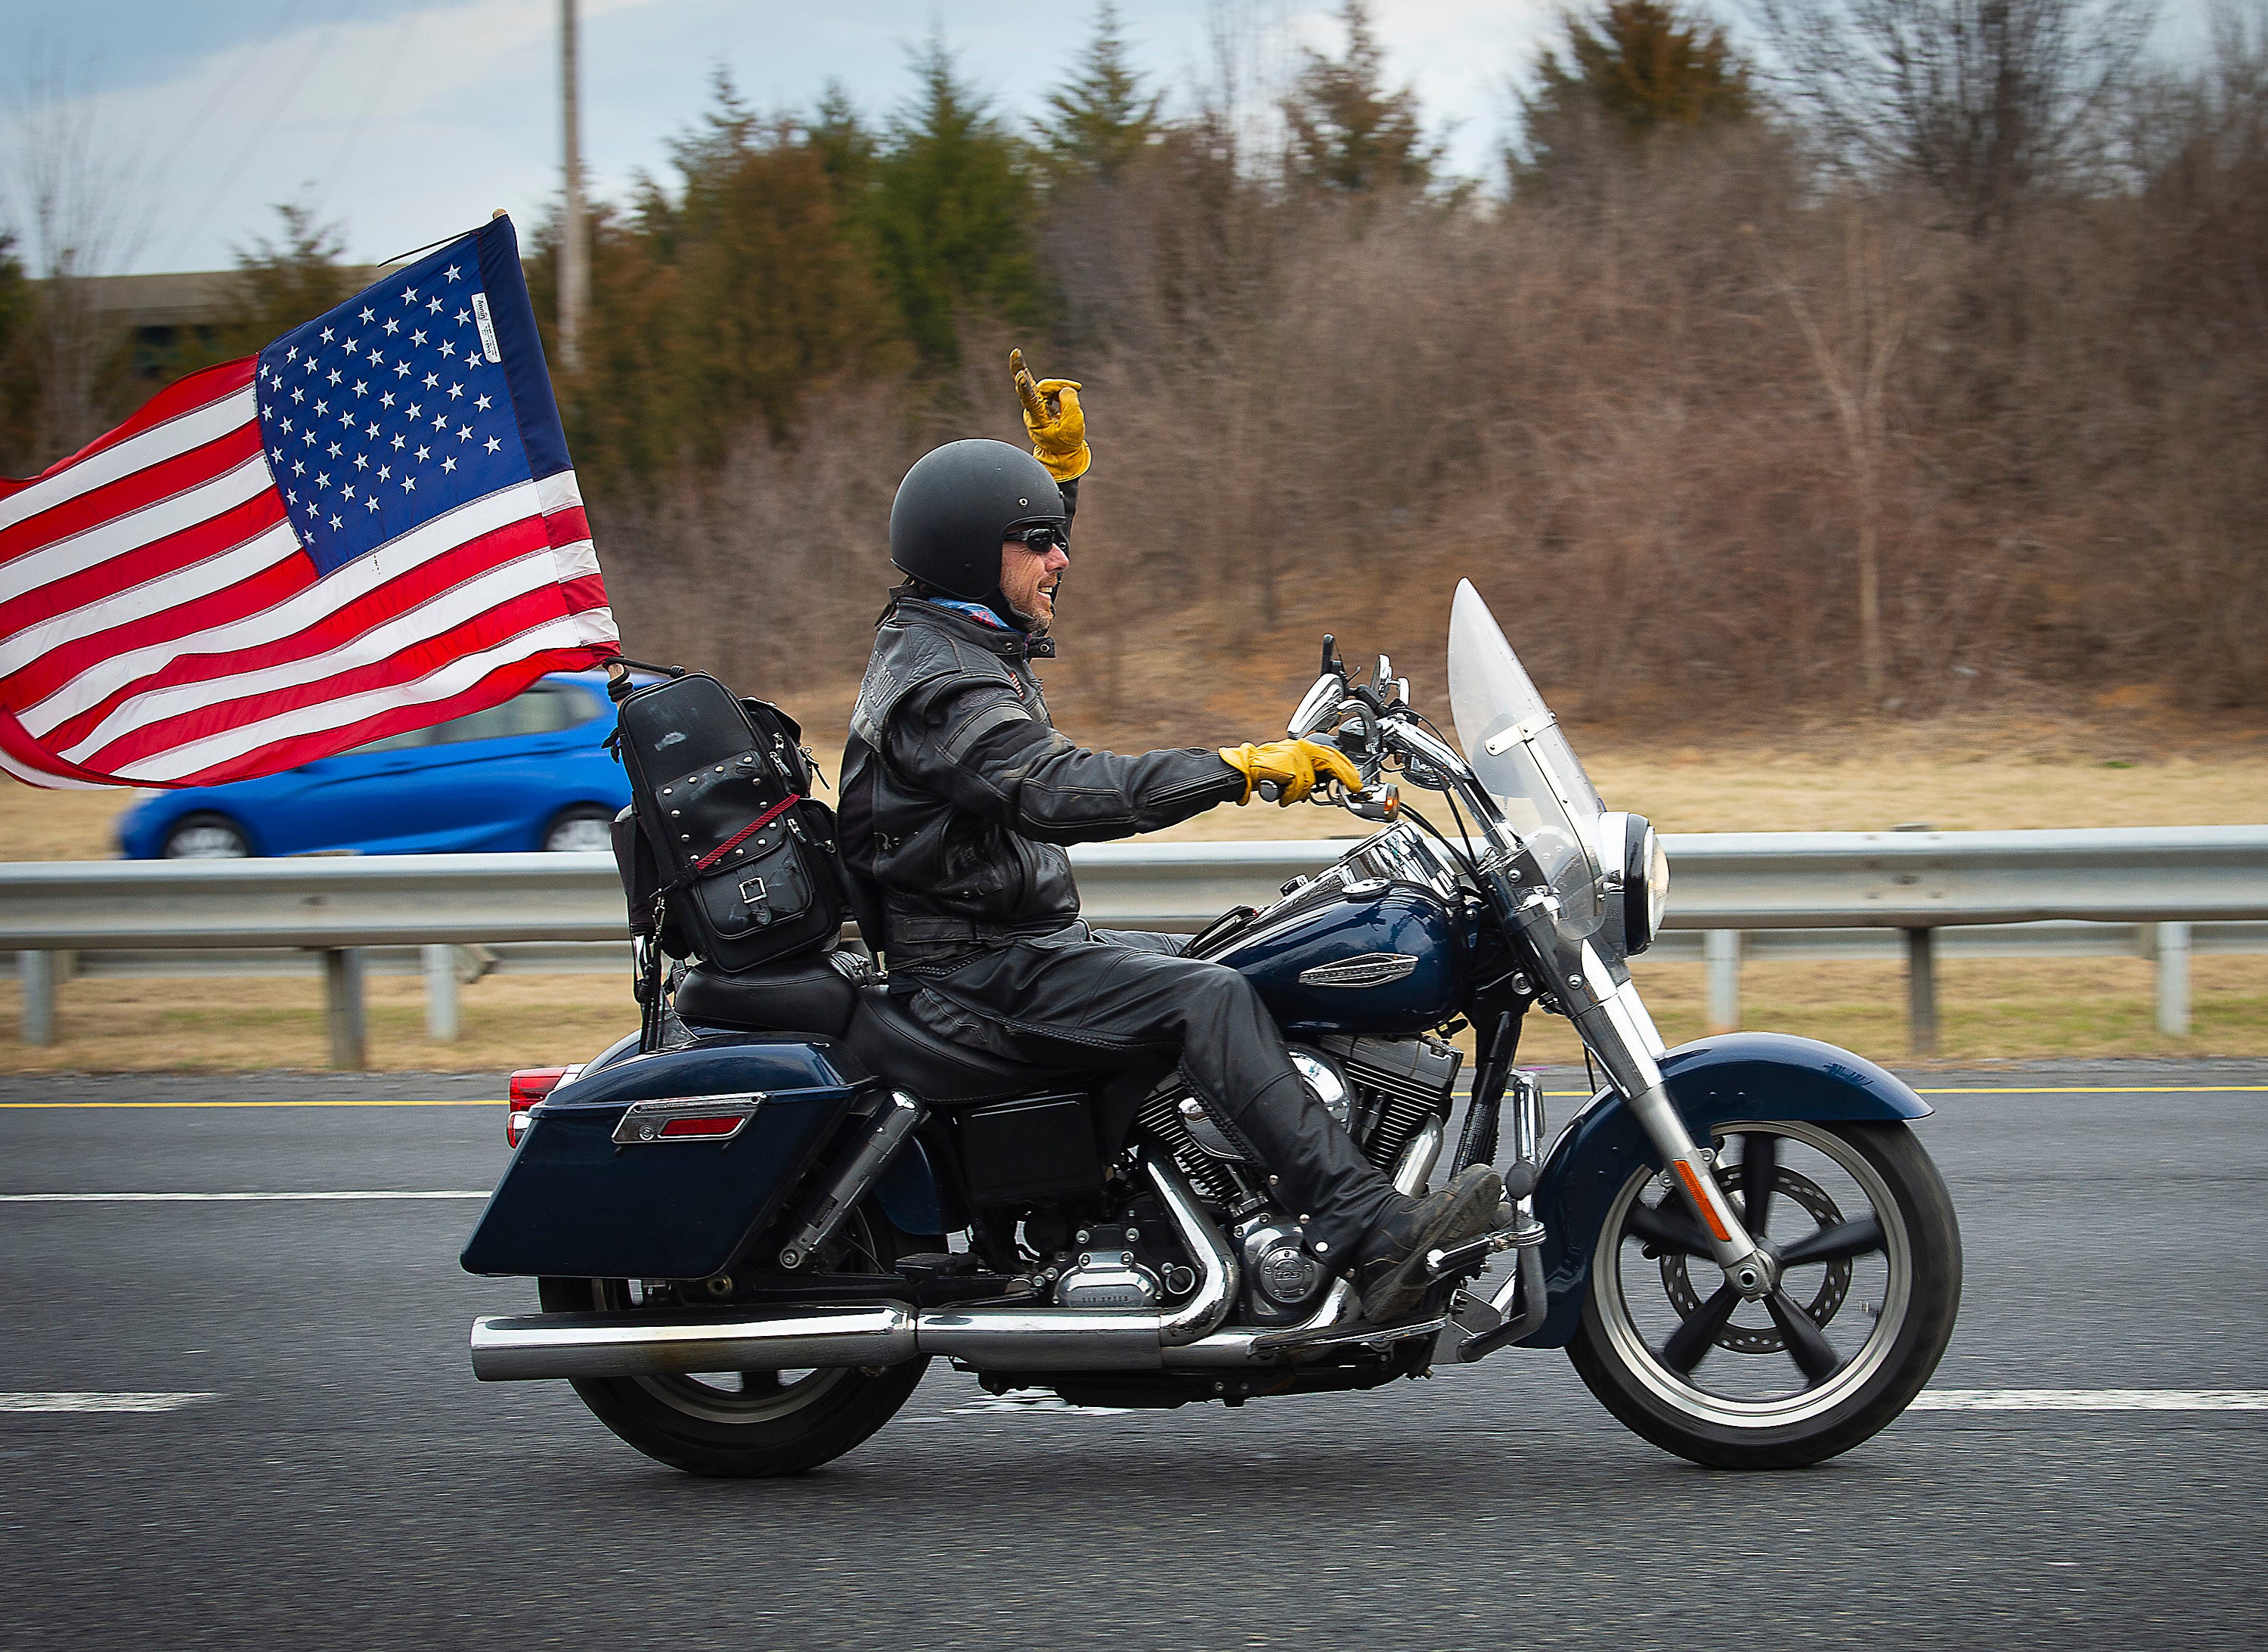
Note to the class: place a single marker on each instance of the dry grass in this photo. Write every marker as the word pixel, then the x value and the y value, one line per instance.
pixel 1990 1011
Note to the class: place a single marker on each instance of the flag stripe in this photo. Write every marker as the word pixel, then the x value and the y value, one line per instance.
pixel 222 409
pixel 344 711
pixel 106 622
pixel 148 565
pixel 414 612
pixel 122 535
pixel 146 486
pixel 267 638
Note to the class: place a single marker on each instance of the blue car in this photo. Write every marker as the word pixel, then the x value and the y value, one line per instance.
pixel 528 774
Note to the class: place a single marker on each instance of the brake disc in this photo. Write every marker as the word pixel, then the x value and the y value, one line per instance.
pixel 1767 1338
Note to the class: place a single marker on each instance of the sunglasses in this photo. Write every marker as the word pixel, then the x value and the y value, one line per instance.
pixel 1040 540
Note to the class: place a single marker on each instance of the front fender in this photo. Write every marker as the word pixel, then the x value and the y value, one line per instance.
pixel 1713 1081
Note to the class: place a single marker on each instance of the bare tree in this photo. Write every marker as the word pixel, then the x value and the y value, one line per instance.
pixel 1987 101
pixel 82 208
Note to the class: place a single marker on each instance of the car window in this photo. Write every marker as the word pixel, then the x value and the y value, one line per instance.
pixel 394 742
pixel 545 709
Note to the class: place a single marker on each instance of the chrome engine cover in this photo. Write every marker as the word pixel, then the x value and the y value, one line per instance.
pixel 1280 1277
pixel 1321 1074
pixel 1108 1279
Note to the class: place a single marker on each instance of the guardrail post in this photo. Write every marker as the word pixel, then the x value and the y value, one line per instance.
pixel 1721 951
pixel 2174 979
pixel 441 1025
pixel 1921 991
pixel 342 1007
pixel 35 979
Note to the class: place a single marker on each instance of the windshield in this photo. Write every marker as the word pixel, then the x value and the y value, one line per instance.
pixel 1519 755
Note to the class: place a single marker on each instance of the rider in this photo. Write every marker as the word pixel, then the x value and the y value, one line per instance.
pixel 958 794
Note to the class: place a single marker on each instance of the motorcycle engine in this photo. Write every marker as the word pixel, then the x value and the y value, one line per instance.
pixel 1110 1270
pixel 1382 1090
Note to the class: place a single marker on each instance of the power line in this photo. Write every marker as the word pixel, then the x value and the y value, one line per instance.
pixel 368 106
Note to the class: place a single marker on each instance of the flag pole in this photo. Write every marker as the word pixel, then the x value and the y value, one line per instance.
pixel 574 252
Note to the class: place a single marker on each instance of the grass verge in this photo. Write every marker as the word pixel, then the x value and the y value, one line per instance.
pixel 1989 1010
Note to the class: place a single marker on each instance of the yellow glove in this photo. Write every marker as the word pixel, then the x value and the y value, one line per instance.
pixel 1293 765
pixel 1053 416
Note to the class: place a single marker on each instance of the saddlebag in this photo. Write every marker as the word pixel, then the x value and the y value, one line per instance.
pixel 663 1166
pixel 732 861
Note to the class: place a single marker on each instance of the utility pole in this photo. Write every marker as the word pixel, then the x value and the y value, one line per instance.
pixel 574 247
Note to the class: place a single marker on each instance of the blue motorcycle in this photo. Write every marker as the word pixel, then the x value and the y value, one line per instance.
pixel 751 1242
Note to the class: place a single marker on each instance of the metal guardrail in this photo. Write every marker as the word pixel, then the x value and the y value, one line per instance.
pixel 1724 883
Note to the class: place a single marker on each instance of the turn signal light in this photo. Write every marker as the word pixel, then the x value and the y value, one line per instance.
pixel 529 1086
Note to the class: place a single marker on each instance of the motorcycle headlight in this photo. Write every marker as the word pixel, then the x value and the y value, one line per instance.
pixel 1630 853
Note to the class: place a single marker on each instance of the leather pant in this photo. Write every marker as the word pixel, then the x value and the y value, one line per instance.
pixel 1067 999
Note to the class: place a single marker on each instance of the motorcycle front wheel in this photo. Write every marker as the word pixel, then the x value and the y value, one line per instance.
pixel 747 1425
pixel 1869 1254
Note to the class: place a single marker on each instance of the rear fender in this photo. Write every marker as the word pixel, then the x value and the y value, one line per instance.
pixel 1716 1080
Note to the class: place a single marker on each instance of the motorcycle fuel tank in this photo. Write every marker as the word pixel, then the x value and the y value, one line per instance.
pixel 1372 957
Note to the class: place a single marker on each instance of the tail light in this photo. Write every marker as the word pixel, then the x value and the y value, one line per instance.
pixel 529 1086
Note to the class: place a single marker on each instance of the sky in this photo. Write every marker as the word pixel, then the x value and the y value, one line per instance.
pixel 409 120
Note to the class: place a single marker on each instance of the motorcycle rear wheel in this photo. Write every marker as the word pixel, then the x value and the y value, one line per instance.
pixel 1779 1393
pixel 746 1425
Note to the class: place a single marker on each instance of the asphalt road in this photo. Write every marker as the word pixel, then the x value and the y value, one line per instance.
pixel 349 1485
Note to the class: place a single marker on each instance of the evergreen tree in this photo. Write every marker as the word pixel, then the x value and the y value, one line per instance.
pixel 846 148
pixel 1348 133
pixel 278 284
pixel 951 209
pixel 1632 70
pixel 1103 119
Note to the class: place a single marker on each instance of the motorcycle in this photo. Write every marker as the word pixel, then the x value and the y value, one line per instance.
pixel 751 1242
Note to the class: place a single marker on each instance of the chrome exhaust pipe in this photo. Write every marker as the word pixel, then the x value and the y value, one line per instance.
pixel 522 1347
pixel 516 1347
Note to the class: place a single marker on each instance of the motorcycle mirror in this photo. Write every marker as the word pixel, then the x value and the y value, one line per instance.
pixel 1332 666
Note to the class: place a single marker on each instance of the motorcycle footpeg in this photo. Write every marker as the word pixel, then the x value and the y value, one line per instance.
pixel 1473 1255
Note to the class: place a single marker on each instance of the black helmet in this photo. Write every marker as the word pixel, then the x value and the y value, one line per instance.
pixel 955 506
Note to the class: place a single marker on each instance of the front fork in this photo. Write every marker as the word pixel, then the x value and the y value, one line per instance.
pixel 1612 1021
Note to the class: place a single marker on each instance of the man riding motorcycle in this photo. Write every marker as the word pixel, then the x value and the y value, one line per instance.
pixel 958 794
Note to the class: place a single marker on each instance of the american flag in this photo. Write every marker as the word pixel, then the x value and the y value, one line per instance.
pixel 368 528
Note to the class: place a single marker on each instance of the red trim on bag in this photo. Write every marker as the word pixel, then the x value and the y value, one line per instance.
pixel 746 832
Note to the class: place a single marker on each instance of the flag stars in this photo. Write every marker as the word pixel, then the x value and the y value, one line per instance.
pixel 327 335
pixel 414 411
pixel 464 432
pixel 434 307
pixel 376 360
pixel 385 473
pixel 447 465
pixel 335 450
pixel 441 421
pixel 494 446
pixel 417 337
pixel 399 443
pixel 371 502
pixel 309 438
pixel 322 479
pixel 298 395
pixel 299 467
pixel 361 461
pixel 392 327
pixel 482 405
pixel 347 492
pixel 385 398
pixel 309 363
pixel 456 390
pixel 432 382
pixel 463 316
pixel 450 272
pixel 322 407
pixel 362 386
pixel 371 431
pixel 423 454
pixel 368 314
pixel 276 454
pixel 337 376
pixel 400 369
pixel 292 354
pixel 410 295
pixel 336 524
pixel 348 347
pixel 448 349
pixel 410 484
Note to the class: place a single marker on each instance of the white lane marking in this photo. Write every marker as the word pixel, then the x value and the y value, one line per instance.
pixel 2091 1399
pixel 99 1402
pixel 174 1199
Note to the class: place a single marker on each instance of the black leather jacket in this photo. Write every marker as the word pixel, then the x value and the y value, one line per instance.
pixel 958 792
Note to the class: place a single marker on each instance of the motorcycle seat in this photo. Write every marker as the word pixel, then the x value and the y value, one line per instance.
pixel 891 1044
pixel 810 994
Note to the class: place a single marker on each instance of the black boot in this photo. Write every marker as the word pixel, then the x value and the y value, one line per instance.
pixel 1389 1265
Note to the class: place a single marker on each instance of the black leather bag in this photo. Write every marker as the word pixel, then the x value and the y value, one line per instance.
pixel 731 859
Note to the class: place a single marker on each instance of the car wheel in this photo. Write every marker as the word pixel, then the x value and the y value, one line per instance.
pixel 581 829
pixel 206 838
